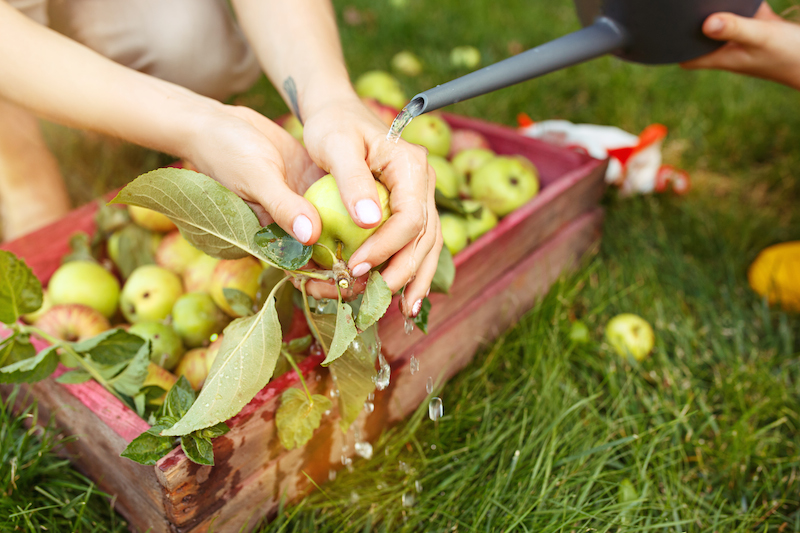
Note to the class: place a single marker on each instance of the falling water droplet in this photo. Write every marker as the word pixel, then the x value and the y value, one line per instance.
pixel 403 467
pixel 369 407
pixel 418 486
pixel 407 499
pixel 413 365
pixel 354 497
pixel 364 449
pixel 435 408
pixel 433 446
pixel 370 396
pixel 408 326
pixel 331 474
pixel 384 374
pixel 429 385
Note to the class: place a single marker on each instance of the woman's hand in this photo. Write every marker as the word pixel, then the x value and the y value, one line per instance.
pixel 345 138
pixel 765 46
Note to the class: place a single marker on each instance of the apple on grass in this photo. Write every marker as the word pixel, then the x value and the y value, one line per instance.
pixel 240 274
pixel 630 336
pixel 196 318
pixel 175 253
pixel 72 322
pixel 150 293
pixel 466 162
pixel 454 231
pixel 381 86
pixel 465 57
pixel 166 347
pixel 193 366
pixel 197 275
pixel 446 177
pixel 340 234
pixel 431 131
pixel 152 220
pixel 86 283
pixel 407 63
pixel 504 183
pixel 480 224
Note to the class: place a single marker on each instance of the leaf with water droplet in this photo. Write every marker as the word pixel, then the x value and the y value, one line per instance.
pixel 343 334
pixel 421 320
pixel 297 418
pixel 281 248
pixel 375 302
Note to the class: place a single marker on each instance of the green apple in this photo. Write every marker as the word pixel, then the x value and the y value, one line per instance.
pixel 630 335
pixel 197 275
pixel 166 347
pixel 466 162
pixel 196 318
pixel 467 139
pixel 504 183
pixel 213 350
pixel 478 225
pixel 112 245
pixel 150 293
pixel 446 177
pixel 407 63
pixel 430 131
pixel 465 57
pixel 72 322
pixel 87 283
pixel 176 253
pixel 240 274
pixel 295 128
pixel 159 377
pixel 579 333
pixel 454 231
pixel 149 219
pixel 381 86
pixel 193 366
pixel 339 233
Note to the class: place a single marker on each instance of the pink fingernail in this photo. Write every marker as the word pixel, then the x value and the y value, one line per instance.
pixel 302 228
pixel 361 269
pixel 368 212
pixel 416 308
pixel 715 25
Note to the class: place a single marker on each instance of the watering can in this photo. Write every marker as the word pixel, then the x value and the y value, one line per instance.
pixel 644 31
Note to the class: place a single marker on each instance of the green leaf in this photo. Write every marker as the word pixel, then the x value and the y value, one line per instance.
pixel 243 366
pixel 421 320
pixel 16 348
pixel 135 249
pixel 299 345
pixel 240 302
pixel 20 290
pixel 455 205
pixel 110 218
pixel 343 335
pixel 297 417
pixel 445 272
pixel 149 447
pixel 111 347
pixel 377 298
pixel 179 398
pixel 31 370
pixel 270 277
pixel 73 377
pixel 211 217
pixel 198 449
pixel 214 431
pixel 354 372
pixel 130 380
pixel 282 249
pixel 80 245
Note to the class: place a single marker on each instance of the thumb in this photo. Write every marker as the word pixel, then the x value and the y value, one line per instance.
pixel 741 30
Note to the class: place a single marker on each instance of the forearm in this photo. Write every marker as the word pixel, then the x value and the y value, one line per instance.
pixel 297 44
pixel 61 80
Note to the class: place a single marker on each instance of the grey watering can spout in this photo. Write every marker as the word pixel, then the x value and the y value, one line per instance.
pixel 644 31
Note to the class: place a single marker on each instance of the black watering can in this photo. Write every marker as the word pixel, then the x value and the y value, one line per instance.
pixel 644 31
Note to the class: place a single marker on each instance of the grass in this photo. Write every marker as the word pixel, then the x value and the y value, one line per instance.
pixel 539 433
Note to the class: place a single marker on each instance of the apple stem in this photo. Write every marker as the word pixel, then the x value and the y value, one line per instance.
pixel 289 358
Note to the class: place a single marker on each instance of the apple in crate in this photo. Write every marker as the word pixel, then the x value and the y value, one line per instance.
pixel 446 178
pixel 467 162
pixel 166 347
pixel 196 318
pixel 72 322
pixel 504 183
pixel 481 223
pixel 112 246
pixel 464 139
pixel 454 232
pixel 86 283
pixel 193 366
pixel 381 86
pixel 240 274
pixel 159 377
pixel 149 219
pixel 431 131
pixel 197 275
pixel 176 253
pixel 150 293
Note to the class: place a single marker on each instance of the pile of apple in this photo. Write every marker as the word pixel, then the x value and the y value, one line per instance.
pixel 178 303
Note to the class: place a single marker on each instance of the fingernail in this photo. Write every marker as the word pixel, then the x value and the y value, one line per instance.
pixel 428 293
pixel 361 269
pixel 302 228
pixel 368 212
pixel 715 25
pixel 415 309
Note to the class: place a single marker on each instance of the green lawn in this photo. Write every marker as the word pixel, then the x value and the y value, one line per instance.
pixel 538 434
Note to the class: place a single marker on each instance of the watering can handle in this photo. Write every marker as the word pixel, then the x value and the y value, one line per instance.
pixel 602 37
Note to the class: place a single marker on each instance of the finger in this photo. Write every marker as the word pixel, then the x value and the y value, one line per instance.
pixel 741 30
pixel 419 287
pixel 345 156
pixel 327 289
pixel 404 265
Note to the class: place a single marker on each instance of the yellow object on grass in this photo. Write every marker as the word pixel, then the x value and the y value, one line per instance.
pixel 775 275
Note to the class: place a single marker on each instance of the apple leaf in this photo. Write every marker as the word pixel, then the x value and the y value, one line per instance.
pixel 20 290
pixel 375 302
pixel 299 345
pixel 455 205
pixel 16 347
pixel 130 380
pixel 240 302
pixel 73 377
pixel 198 449
pixel 298 417
pixel 31 370
pixel 343 335
pixel 135 249
pixel 211 217
pixel 110 218
pixel 445 272
pixel 150 446
pixel 243 366
pixel 281 248
pixel 270 277
pixel 112 347
pixel 421 320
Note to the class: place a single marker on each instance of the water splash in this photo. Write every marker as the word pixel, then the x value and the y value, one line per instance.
pixel 408 325
pixel 408 499
pixel 435 409
pixel 403 119
pixel 369 407
pixel 384 373
pixel 413 365
pixel 364 449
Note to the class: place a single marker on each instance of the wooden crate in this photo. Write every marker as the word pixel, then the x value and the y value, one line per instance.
pixel 498 279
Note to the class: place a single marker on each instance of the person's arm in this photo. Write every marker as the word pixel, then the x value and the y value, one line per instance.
pixel 298 46
pixel 765 46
